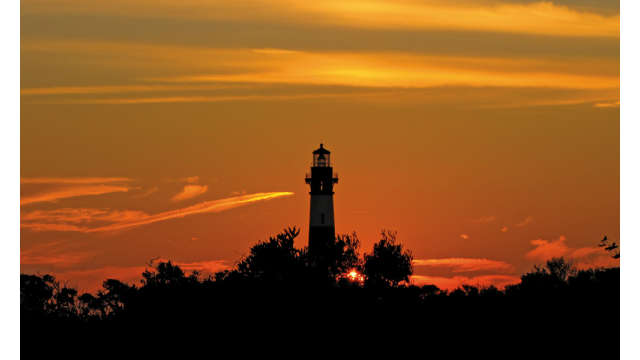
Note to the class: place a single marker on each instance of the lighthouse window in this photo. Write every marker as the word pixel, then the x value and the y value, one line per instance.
pixel 322 218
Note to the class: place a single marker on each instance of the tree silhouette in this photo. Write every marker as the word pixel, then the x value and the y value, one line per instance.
pixel 389 264
pixel 611 247
pixel 36 293
pixel 274 260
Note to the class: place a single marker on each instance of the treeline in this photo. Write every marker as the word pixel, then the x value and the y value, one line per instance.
pixel 278 284
pixel 276 265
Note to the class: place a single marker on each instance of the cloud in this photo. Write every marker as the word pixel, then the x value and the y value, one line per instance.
pixel 200 99
pixel 66 219
pixel 504 229
pixel 404 70
pixel 464 236
pixel 458 265
pixel 547 249
pixel 192 179
pixel 68 187
pixel 205 267
pixel 53 227
pixel 117 89
pixel 540 17
pixel 584 257
pixel 74 180
pixel 72 191
pixel 212 206
pixel 147 192
pixel 189 192
pixel 612 104
pixel 369 69
pixel 28 257
pixel 528 220
pixel 47 254
pixel 77 216
pixel 451 283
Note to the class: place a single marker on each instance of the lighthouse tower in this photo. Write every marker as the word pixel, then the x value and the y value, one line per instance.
pixel 321 180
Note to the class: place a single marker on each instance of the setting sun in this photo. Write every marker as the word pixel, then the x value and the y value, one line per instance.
pixel 355 276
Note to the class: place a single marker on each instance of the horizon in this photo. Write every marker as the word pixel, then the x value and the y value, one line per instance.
pixel 490 141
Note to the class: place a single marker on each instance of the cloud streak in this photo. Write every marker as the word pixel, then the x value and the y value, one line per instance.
pixel 74 180
pixel 74 219
pixel 70 192
pixel 458 265
pixel 584 257
pixel 189 192
pixel 541 17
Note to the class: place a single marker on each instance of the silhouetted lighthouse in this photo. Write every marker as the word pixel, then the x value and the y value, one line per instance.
pixel 321 180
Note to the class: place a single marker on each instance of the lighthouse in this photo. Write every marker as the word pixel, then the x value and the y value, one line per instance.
pixel 321 180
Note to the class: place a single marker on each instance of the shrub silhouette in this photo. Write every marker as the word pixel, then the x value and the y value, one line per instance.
pixel 388 264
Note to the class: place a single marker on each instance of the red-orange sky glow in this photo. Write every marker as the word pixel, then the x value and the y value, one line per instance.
pixel 486 133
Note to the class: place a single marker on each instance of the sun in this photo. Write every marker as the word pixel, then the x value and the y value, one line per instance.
pixel 354 275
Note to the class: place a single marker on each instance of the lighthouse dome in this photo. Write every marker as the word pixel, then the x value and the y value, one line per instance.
pixel 321 150
pixel 321 157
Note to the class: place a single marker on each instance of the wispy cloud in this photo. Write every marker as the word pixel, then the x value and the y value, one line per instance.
pixel 59 260
pixel 115 89
pixel 147 192
pixel 280 74
pixel 67 219
pixel 51 253
pixel 70 192
pixel 504 229
pixel 371 69
pixel 547 249
pixel 458 265
pixel 68 187
pixel 191 179
pixel 189 192
pixel 391 70
pixel 212 206
pixel 74 180
pixel 612 104
pixel 542 18
pixel 78 216
pixel 204 267
pixel 202 99
pixel 583 257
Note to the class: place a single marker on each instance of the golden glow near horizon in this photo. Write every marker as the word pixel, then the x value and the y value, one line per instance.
pixel 485 131
pixel 355 276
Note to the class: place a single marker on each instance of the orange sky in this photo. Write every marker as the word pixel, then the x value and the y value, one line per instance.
pixel 485 132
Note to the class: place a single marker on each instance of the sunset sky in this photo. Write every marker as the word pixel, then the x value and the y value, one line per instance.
pixel 485 132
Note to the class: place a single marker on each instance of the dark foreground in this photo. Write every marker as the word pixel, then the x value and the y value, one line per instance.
pixel 282 301
pixel 578 320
